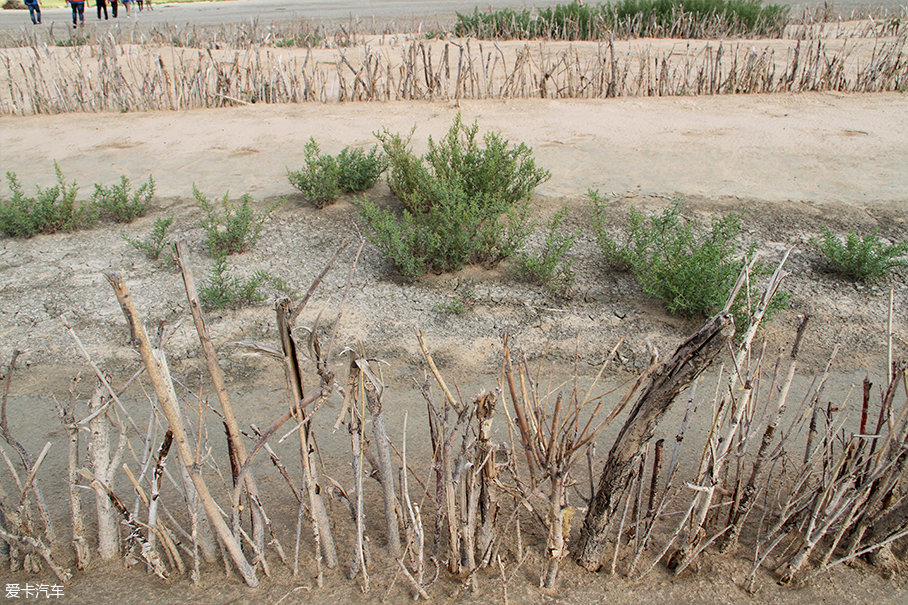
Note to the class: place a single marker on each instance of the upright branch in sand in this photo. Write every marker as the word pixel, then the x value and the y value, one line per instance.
pixel 104 464
pixel 363 393
pixel 555 437
pixel 17 527
pixel 298 402
pixel 621 466
pixel 236 446
pixel 163 389
pixel 466 504
pixel 67 417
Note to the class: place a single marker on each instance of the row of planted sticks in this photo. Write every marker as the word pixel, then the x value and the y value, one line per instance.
pixel 110 77
pixel 812 486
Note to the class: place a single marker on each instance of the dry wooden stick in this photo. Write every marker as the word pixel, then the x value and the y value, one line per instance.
pixel 146 550
pixel 80 544
pixel 235 440
pixel 373 402
pixel 171 411
pixel 325 548
pixel 690 359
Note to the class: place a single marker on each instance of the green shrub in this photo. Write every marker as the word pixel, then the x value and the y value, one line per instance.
pixel 323 177
pixel 157 240
pixel 233 230
pixel 53 209
pixel 457 306
pixel 116 203
pixel 861 257
pixel 360 170
pixel 691 270
pixel 464 202
pixel 222 290
pixel 552 266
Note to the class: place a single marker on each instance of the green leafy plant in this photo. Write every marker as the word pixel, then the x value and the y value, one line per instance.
pixel 691 270
pixel 324 177
pixel 222 290
pixel 457 306
pixel 551 266
pixel 360 170
pixel 156 241
pixel 629 18
pixel 235 227
pixel 51 210
pixel 861 257
pixel 465 202
pixel 116 203
pixel 73 41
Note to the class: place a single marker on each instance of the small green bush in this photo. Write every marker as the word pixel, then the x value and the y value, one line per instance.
pixel 552 266
pixel 115 202
pixel 464 202
pixel 222 290
pixel 457 306
pixel 156 242
pixel 53 209
pixel 692 271
pixel 861 257
pixel 323 177
pixel 359 170
pixel 234 230
pixel 225 291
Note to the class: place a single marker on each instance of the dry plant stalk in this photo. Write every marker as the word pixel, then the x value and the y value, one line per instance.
pixel 79 543
pixel 554 438
pixel 690 359
pixel 163 389
pixel 237 448
pixel 325 548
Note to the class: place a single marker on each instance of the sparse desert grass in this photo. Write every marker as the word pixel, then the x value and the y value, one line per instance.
pixel 223 290
pixel 116 203
pixel 156 241
pixel 692 270
pixel 552 265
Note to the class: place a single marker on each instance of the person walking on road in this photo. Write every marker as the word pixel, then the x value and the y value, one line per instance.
pixel 78 7
pixel 102 4
pixel 34 11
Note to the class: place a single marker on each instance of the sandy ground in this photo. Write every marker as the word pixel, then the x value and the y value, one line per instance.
pixel 791 161
pixel 813 148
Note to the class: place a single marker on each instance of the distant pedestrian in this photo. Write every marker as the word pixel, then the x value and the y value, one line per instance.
pixel 113 6
pixel 141 4
pixel 126 4
pixel 78 7
pixel 102 4
pixel 34 11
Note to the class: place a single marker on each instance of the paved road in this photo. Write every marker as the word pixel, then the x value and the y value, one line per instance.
pixel 269 11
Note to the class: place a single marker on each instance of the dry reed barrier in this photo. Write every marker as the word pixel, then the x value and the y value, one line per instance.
pixel 797 487
pixel 108 76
